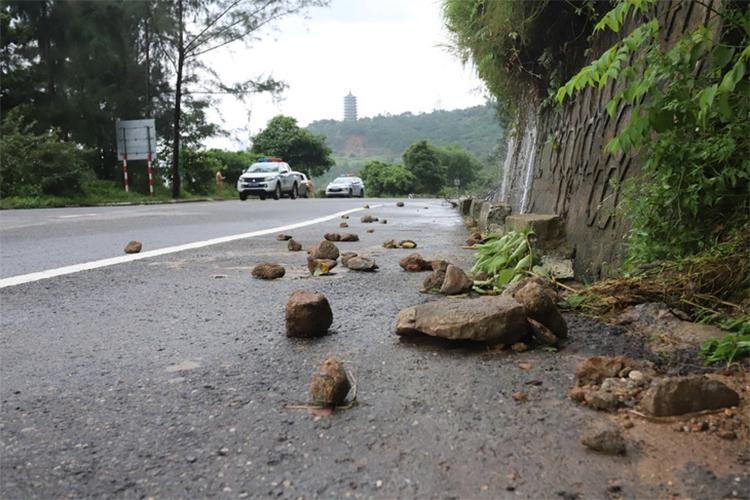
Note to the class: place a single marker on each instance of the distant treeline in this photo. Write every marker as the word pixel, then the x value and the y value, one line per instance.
pixel 477 129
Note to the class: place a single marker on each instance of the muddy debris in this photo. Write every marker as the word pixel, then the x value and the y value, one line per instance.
pixel 520 396
pixel 308 314
pixel 293 246
pixel 283 237
pixel 330 385
pixel 268 271
pixel 133 247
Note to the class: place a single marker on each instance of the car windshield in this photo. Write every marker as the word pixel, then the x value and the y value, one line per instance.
pixel 343 180
pixel 263 167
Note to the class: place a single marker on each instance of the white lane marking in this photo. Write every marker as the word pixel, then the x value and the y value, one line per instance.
pixel 77 216
pixel 76 268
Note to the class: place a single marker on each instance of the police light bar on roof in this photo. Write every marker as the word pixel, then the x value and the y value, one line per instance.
pixel 347 175
pixel 264 160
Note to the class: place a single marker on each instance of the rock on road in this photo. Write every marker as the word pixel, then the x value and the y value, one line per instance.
pixel 167 377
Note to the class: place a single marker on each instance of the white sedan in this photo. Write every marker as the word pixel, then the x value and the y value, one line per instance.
pixel 346 185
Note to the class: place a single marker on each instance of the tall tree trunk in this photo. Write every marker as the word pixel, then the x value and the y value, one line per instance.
pixel 177 111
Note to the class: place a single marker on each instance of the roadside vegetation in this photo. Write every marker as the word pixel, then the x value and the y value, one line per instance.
pixel 690 101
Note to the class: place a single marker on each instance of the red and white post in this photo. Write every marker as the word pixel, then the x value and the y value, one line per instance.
pixel 150 176
pixel 125 170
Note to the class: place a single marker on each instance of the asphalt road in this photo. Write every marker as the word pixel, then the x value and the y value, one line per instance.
pixel 168 376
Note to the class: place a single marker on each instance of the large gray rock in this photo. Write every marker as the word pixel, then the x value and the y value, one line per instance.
pixel 308 314
pixel 434 282
pixel 349 237
pixel 464 206
pixel 680 395
pixel 492 217
pixel 456 281
pixel 500 320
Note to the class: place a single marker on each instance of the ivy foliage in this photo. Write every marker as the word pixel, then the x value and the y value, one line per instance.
pixel 506 259
pixel 689 122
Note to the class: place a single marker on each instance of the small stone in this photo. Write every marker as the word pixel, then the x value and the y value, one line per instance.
pixel 638 377
pixel 520 396
pixel 390 244
pixel 318 267
pixel 346 256
pixel 680 395
pixel 349 237
pixel 519 347
pixel 330 385
pixel 602 400
pixel 283 237
pixel 308 314
pixel 324 250
pixel 332 236
pixel 370 230
pixel 343 225
pixel 474 239
pixel 433 282
pixel 628 424
pixel 361 264
pixel 368 219
pixel 728 435
pixel 577 394
pixel 414 263
pixel 133 247
pixel 440 265
pixel 293 246
pixel 456 282
pixel 400 204
pixel 366 206
pixel 605 438
pixel 344 216
pixel 384 221
pixel 541 333
pixel 268 271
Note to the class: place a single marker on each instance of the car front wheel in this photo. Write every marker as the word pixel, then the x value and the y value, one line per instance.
pixel 243 196
pixel 262 196
pixel 350 193
pixel 362 193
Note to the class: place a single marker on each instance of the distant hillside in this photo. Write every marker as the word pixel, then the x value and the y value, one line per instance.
pixel 476 129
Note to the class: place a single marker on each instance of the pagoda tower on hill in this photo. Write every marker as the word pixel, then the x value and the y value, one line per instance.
pixel 350 108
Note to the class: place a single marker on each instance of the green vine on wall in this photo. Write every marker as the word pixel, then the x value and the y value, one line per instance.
pixel 690 106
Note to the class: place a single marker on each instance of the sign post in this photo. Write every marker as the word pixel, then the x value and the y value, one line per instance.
pixel 456 182
pixel 136 140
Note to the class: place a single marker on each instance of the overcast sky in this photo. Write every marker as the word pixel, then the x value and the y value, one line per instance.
pixel 387 52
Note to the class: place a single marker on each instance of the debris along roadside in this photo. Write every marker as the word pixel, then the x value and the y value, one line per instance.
pixel 517 308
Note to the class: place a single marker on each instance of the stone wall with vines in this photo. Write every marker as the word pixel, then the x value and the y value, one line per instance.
pixel 573 175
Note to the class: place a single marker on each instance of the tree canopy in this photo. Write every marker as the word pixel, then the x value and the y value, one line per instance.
pixel 304 151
